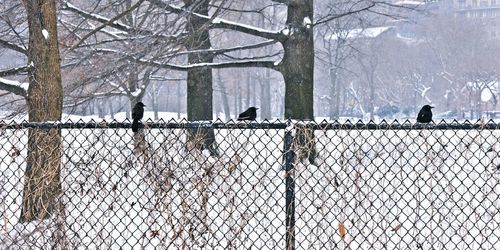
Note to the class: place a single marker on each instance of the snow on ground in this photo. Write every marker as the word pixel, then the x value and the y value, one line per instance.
pixel 390 189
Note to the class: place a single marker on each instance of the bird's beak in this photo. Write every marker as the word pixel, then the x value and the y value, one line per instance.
pixel 432 107
pixel 256 108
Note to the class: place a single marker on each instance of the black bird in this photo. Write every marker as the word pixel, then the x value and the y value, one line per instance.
pixel 137 114
pixel 249 115
pixel 425 114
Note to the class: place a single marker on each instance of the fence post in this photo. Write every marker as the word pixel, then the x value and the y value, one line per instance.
pixel 289 191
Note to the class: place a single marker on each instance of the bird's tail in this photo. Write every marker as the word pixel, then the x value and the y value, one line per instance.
pixel 135 126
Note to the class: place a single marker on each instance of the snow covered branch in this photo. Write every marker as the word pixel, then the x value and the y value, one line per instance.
pixel 226 50
pixel 215 65
pixel 13 46
pixel 14 71
pixel 15 87
pixel 247 29
pixel 115 24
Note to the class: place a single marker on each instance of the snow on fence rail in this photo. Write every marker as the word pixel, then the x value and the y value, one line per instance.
pixel 370 186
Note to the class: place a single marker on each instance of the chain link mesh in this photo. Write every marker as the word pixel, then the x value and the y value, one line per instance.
pixel 369 186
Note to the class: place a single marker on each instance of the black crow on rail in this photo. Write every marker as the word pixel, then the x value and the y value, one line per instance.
pixel 425 114
pixel 137 114
pixel 249 115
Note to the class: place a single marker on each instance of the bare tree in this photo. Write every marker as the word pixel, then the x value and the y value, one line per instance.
pixel 45 97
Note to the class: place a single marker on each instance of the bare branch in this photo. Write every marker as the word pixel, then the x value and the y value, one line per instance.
pixel 220 23
pixel 108 23
pixel 115 24
pixel 13 46
pixel 329 18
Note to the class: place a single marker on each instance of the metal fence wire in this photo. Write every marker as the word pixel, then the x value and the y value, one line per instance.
pixel 366 186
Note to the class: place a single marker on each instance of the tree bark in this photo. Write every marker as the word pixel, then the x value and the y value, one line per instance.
pixel 199 80
pixel 154 100
pixel 42 177
pixel 265 95
pixel 297 65
pixel 297 68
pixel 223 93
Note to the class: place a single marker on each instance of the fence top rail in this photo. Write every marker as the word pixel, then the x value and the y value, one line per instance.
pixel 266 124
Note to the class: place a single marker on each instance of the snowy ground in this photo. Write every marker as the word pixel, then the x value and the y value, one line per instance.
pixel 388 189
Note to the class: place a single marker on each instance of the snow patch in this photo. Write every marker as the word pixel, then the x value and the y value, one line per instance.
pixel 137 92
pixel 359 33
pixel 216 20
pixel 409 3
pixel 45 34
pixel 486 95
pixel 307 22
pixel 285 31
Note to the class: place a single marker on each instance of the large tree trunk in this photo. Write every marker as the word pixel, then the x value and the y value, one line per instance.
pixel 298 62
pixel 42 177
pixel 333 61
pixel 334 94
pixel 265 95
pixel 298 71
pixel 199 81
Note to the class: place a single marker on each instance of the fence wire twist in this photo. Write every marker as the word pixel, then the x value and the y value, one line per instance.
pixel 367 186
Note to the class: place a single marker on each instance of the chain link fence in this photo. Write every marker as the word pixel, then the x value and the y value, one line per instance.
pixel 368 186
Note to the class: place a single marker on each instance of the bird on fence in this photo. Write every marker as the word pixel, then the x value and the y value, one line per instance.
pixel 249 115
pixel 425 114
pixel 137 114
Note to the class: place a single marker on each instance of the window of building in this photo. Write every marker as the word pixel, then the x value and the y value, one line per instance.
pixel 461 4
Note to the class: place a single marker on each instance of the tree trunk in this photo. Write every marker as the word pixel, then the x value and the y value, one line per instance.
pixel 132 81
pixel 199 81
pixel 247 90
pixel 265 95
pixel 42 186
pixel 178 101
pixel 334 93
pixel 297 68
pixel 100 108
pixel 238 101
pixel 333 73
pixel 298 62
pixel 223 92
pixel 154 100
pixel 111 109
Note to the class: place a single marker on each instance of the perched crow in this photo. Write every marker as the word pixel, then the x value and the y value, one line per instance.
pixel 249 115
pixel 425 114
pixel 137 114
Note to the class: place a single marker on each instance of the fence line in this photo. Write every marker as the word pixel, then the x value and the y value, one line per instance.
pixel 370 186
